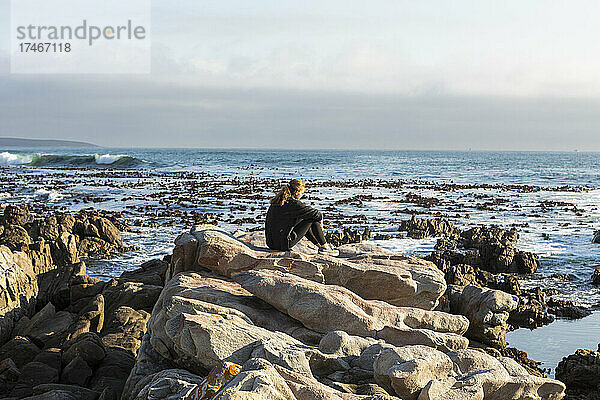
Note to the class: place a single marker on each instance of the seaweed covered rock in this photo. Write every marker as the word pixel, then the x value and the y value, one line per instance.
pixel 417 228
pixel 489 248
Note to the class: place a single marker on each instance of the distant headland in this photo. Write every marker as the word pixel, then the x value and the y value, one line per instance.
pixel 19 142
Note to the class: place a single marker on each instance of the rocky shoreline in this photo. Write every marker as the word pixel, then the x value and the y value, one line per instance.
pixel 369 324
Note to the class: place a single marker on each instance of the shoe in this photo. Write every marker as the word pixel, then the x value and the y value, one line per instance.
pixel 329 251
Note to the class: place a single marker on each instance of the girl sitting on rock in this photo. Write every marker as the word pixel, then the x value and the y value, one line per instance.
pixel 289 220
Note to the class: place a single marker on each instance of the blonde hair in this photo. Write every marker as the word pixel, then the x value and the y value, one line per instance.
pixel 293 187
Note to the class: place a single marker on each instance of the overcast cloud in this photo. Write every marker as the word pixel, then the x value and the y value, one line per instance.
pixel 335 74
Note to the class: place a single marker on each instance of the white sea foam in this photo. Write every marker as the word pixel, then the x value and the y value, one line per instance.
pixel 7 158
pixel 108 158
pixel 407 245
pixel 50 195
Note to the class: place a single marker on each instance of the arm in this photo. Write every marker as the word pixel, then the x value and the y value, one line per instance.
pixel 306 212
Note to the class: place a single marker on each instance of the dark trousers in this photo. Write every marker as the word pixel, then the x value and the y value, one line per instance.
pixel 311 229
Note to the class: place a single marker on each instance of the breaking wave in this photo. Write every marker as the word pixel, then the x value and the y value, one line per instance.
pixel 73 161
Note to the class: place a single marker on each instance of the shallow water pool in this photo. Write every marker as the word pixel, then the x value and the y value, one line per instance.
pixel 550 343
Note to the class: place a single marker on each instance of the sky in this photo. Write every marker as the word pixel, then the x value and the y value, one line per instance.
pixel 481 75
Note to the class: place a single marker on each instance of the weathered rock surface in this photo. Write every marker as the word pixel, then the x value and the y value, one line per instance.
pixel 488 248
pixel 327 308
pixel 417 372
pixel 199 335
pixel 596 277
pixel 487 310
pixel 581 374
pixel 406 370
pixel 399 280
pixel 18 290
pixel 417 228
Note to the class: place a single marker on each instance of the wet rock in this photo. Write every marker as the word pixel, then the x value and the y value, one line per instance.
pixel 347 235
pixel 567 309
pixel 487 248
pixel 596 237
pixel 417 228
pixel 487 310
pixel 532 310
pixel 334 308
pixel 580 372
pixel 596 277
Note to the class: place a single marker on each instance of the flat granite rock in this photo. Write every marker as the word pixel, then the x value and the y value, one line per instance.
pixel 370 272
pixel 326 308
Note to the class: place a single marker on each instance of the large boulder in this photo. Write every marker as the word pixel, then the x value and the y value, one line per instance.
pixel 209 288
pixel 487 310
pixel 136 295
pixel 148 362
pixel 478 368
pixel 16 215
pixel 125 328
pixel 326 308
pixel 420 373
pixel 580 372
pixel 169 384
pixel 15 237
pixel 112 372
pixel 150 273
pixel 417 228
pixel 398 280
pixel 407 370
pixel 20 350
pixel 199 335
pixel 48 327
pixel 18 290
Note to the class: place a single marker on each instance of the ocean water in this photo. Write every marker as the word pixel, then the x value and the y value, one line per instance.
pixel 553 198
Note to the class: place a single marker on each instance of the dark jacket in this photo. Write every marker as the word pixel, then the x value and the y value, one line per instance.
pixel 282 219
